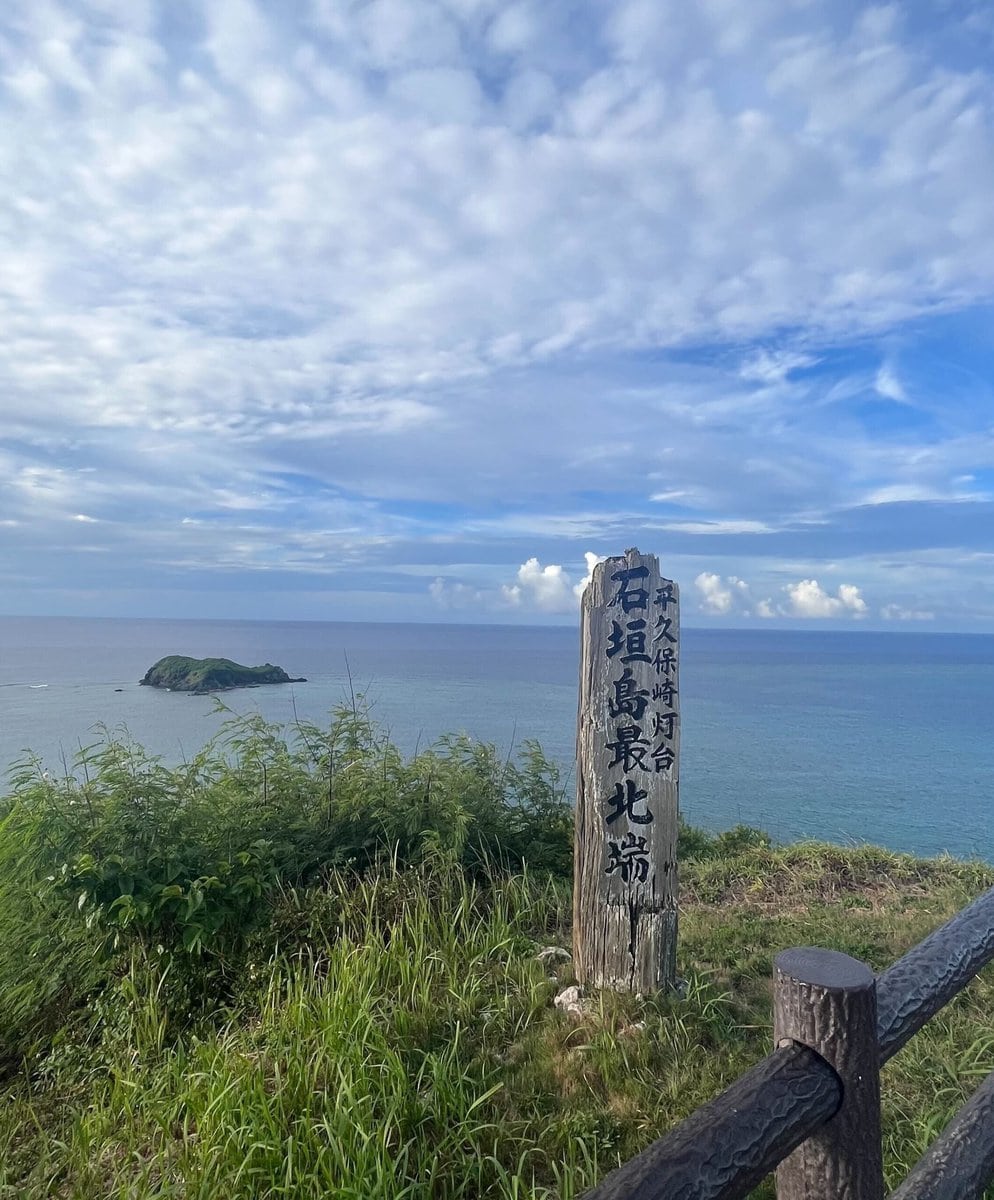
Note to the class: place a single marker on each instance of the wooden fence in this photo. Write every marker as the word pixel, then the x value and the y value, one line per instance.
pixel 811 1109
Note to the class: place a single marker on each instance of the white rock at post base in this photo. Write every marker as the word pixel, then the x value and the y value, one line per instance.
pixel 553 954
pixel 570 1000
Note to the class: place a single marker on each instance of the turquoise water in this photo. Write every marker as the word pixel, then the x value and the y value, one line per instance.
pixel 850 736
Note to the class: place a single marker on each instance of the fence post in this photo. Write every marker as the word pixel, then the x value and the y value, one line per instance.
pixel 828 1001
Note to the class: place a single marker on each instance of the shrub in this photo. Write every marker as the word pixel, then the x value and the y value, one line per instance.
pixel 123 854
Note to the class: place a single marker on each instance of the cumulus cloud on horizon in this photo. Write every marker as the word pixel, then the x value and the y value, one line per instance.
pixel 721 596
pixel 537 588
pixel 805 599
pixel 548 588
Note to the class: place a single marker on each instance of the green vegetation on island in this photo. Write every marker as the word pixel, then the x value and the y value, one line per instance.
pixel 303 966
pixel 176 673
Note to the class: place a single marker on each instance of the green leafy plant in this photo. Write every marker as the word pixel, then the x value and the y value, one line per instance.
pixel 122 854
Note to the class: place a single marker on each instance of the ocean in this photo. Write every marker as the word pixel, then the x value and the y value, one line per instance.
pixel 849 736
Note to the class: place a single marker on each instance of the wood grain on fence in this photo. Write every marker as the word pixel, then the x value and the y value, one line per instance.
pixel 817 994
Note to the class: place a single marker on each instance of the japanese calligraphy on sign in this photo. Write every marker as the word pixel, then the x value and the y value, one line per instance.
pixel 628 761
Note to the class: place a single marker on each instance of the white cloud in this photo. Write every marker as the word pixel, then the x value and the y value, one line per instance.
pixel 720 596
pixel 347 260
pixel 456 595
pixel 546 588
pixel 695 221
pixel 404 33
pixel 442 95
pixel 807 598
pixel 732 596
pixel 239 39
pixel 901 493
pixel 940 488
pixel 889 385
pixel 513 30
pixel 771 367
pixel 591 560
pixel 895 612
pixel 717 527
pixel 529 98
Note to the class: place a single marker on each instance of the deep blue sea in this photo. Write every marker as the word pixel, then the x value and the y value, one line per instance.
pixel 848 736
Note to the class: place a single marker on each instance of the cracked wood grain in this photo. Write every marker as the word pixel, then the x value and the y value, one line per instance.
pixel 628 770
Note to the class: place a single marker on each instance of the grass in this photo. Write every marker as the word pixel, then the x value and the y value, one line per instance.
pixel 385 1028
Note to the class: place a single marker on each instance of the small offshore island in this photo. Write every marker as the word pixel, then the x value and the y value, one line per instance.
pixel 177 673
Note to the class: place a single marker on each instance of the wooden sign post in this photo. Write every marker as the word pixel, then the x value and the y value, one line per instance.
pixel 628 770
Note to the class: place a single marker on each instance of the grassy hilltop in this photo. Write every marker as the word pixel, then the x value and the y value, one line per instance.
pixel 305 967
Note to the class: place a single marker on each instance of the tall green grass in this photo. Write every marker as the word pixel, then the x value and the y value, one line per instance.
pixel 122 853
pixel 366 1061
pixel 370 1017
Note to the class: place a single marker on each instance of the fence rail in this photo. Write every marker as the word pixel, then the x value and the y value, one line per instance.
pixel 793 1104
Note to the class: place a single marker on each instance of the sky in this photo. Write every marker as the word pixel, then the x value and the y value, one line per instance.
pixel 413 309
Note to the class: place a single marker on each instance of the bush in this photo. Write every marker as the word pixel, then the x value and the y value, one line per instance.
pixel 124 854
pixel 698 845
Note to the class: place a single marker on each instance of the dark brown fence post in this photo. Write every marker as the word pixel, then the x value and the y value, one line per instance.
pixel 828 1001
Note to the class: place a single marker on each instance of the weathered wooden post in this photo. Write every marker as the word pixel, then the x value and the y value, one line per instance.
pixel 828 1001
pixel 628 770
